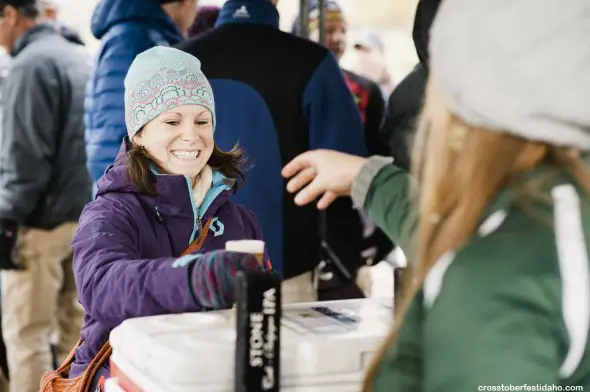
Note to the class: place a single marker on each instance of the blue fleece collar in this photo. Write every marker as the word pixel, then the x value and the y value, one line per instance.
pixel 218 177
pixel 219 184
pixel 261 12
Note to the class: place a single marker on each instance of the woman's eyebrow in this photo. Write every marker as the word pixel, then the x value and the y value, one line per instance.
pixel 169 114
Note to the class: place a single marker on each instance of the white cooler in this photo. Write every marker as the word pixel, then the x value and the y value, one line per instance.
pixel 325 347
pixel 112 385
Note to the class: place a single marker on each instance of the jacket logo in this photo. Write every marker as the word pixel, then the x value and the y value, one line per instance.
pixel 216 227
pixel 241 12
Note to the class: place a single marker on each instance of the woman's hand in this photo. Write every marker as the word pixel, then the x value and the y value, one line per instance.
pixel 325 173
pixel 213 277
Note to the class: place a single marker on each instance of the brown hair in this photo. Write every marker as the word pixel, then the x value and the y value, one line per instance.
pixel 229 163
pixel 459 169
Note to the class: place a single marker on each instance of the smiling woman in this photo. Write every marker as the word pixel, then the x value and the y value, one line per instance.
pixel 180 141
pixel 161 202
pixel 170 121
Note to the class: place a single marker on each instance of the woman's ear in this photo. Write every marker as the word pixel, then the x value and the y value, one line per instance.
pixel 137 139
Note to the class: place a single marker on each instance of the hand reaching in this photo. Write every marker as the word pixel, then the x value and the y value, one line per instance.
pixel 324 173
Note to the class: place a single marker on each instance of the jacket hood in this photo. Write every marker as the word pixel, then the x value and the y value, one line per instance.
pixel 68 33
pixel 71 35
pixel 425 13
pixel 173 192
pixel 36 32
pixel 261 12
pixel 115 178
pixel 111 12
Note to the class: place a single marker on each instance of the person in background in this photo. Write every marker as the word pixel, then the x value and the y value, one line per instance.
pixel 500 229
pixel 370 60
pixel 168 190
pixel 367 94
pixel 204 21
pixel 44 185
pixel 280 95
pixel 50 12
pixel 374 246
pixel 125 29
pixel 405 103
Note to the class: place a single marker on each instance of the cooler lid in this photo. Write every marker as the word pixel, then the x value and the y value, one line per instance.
pixel 318 338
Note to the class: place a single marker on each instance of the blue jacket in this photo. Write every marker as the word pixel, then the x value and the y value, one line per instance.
pixel 279 96
pixel 125 28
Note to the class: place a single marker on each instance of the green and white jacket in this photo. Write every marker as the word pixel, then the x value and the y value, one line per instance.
pixel 511 307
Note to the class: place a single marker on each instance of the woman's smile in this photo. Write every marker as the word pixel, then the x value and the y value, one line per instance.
pixel 186 155
pixel 180 140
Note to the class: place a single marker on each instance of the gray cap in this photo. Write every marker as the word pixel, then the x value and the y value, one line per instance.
pixel 519 66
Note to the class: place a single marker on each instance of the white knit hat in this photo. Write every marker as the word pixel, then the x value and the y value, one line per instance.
pixel 519 66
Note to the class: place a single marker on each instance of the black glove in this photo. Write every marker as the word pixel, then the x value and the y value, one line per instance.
pixel 8 233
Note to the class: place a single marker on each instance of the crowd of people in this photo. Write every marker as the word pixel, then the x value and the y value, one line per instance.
pixel 69 154
pixel 122 178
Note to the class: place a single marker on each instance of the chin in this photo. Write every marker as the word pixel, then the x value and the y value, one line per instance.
pixel 188 168
pixel 184 171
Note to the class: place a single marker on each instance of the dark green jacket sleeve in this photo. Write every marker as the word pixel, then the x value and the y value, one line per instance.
pixel 383 190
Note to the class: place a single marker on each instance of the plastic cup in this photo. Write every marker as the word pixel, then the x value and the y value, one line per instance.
pixel 255 247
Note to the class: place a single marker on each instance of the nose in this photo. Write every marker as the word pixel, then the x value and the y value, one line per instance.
pixel 334 39
pixel 190 132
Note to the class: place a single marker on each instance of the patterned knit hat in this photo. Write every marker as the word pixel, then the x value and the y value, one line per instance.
pixel 160 79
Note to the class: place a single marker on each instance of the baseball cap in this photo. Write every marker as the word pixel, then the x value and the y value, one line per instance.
pixel 368 39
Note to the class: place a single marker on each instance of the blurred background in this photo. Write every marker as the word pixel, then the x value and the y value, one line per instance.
pixel 391 19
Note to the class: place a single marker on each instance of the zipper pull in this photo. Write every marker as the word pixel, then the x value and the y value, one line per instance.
pixel 199 225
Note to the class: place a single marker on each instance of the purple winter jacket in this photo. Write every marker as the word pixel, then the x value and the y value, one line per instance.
pixel 126 245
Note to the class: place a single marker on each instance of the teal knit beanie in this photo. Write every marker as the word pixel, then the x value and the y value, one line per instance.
pixel 160 79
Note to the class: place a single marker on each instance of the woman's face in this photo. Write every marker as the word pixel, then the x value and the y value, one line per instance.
pixel 180 140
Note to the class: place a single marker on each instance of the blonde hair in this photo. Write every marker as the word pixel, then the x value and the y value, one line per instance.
pixel 459 169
